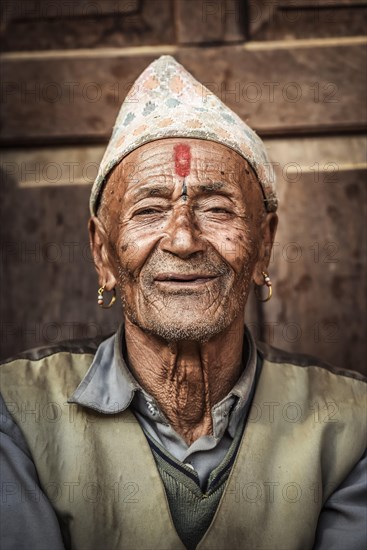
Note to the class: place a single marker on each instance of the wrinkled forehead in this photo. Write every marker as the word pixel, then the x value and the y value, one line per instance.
pixel 174 159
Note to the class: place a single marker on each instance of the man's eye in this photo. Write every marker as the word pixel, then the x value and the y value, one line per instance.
pixel 218 210
pixel 147 211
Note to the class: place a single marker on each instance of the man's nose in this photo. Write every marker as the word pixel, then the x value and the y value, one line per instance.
pixel 182 236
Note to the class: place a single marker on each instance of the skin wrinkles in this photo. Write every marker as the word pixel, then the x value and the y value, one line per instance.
pixel 184 190
pixel 184 340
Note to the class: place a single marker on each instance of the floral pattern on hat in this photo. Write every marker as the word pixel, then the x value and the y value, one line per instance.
pixel 167 101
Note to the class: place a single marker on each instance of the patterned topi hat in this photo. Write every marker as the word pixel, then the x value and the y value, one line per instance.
pixel 167 101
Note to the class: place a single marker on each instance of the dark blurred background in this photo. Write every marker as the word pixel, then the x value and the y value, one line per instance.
pixel 293 69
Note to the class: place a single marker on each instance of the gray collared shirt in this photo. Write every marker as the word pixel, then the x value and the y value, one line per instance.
pixel 110 387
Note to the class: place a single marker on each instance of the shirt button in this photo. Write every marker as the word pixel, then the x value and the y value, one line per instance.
pixel 152 408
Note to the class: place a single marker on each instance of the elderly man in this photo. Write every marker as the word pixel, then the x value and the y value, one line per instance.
pixel 180 431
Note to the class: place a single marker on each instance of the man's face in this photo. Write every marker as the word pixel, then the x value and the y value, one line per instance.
pixel 184 224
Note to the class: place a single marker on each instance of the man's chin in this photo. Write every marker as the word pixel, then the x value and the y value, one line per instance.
pixel 183 317
pixel 184 327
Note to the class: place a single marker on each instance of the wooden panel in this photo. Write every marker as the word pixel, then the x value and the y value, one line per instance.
pixel 319 264
pixel 110 24
pixel 51 286
pixel 318 267
pixel 69 99
pixel 260 13
pixel 285 88
pixel 272 20
pixel 296 4
pixel 214 21
pixel 316 154
pixel 44 9
pixel 276 90
pixel 52 167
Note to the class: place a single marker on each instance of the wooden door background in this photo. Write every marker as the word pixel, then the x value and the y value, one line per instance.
pixel 294 69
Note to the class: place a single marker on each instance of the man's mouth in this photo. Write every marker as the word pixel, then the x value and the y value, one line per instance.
pixel 184 279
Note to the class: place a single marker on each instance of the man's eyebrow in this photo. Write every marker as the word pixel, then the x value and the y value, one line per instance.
pixel 210 187
pixel 152 191
pixel 215 187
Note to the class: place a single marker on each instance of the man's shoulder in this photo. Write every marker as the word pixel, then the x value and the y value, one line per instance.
pixel 280 357
pixel 84 346
pixel 51 372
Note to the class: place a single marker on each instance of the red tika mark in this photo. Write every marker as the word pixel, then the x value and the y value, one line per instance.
pixel 182 160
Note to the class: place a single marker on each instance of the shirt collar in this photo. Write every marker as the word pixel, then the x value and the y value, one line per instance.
pixel 236 403
pixel 109 386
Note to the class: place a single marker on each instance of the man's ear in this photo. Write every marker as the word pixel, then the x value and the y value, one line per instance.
pixel 268 230
pixel 101 253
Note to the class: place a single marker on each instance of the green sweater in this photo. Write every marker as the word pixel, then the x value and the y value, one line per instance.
pixel 192 509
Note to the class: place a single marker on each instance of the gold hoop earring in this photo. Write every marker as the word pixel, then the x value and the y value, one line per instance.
pixel 267 282
pixel 100 297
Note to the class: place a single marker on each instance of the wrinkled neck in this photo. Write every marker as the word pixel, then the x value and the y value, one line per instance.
pixel 186 378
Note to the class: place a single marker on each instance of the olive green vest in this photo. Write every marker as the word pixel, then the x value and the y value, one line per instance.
pixel 305 432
